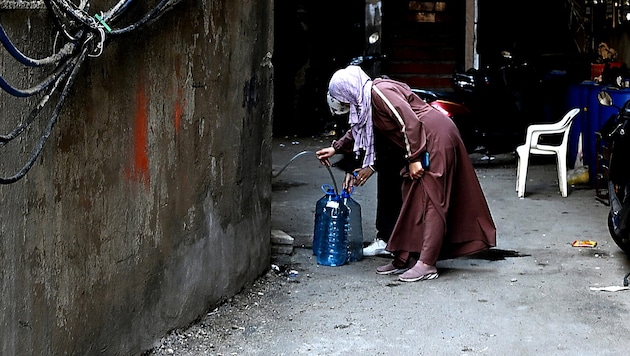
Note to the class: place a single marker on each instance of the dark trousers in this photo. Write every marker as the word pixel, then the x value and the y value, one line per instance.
pixel 389 162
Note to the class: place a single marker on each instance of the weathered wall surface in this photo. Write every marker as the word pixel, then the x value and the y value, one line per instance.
pixel 150 202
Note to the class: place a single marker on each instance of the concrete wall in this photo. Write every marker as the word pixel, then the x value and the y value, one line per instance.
pixel 470 38
pixel 150 202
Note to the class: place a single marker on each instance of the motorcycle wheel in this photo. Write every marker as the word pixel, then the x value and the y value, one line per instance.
pixel 622 241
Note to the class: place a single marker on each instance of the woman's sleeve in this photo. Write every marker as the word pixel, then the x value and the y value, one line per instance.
pixel 413 134
pixel 345 144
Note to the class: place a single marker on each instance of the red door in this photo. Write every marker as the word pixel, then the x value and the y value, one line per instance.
pixel 424 41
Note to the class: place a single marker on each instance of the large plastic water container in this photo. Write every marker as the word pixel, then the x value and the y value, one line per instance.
pixel 334 242
pixel 353 226
pixel 320 211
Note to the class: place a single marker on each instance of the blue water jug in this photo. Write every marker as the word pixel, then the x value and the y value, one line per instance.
pixel 334 241
pixel 353 227
pixel 320 210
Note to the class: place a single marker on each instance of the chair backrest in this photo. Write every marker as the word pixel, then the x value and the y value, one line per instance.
pixel 569 116
pixel 568 122
pixel 561 127
pixel 565 122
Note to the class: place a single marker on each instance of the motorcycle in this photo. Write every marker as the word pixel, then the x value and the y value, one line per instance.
pixel 451 105
pixel 502 98
pixel 615 134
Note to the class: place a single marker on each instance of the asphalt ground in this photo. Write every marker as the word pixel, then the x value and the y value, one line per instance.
pixel 534 294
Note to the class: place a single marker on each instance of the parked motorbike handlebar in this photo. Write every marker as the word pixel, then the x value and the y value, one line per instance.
pixel 357 61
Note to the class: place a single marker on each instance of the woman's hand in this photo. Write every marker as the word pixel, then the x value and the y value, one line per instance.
pixel 348 181
pixel 415 170
pixel 324 154
pixel 362 175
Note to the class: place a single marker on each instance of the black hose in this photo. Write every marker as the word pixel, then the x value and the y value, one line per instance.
pixel 78 27
pixel 117 10
pixel 332 177
pixel 63 53
pixel 35 89
pixel 53 120
pixel 77 14
pixel 154 14
pixel 288 163
pixel 57 15
pixel 33 114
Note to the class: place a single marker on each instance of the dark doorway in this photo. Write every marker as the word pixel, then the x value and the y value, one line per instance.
pixel 312 40
pixel 424 41
pixel 545 39
pixel 522 30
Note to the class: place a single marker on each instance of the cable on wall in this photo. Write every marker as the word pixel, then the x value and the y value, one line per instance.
pixel 84 35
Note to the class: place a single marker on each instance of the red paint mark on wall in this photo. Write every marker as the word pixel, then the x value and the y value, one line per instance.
pixel 178 109
pixel 138 169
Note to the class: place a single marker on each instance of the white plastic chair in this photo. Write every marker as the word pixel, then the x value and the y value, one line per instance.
pixel 532 146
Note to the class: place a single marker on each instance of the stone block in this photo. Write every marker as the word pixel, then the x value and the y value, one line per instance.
pixel 279 237
pixel 281 249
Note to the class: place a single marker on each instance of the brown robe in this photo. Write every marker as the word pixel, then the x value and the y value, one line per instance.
pixel 444 214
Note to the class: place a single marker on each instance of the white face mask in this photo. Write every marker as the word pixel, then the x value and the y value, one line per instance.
pixel 336 106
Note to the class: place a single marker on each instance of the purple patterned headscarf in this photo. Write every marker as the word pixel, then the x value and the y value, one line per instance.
pixel 352 85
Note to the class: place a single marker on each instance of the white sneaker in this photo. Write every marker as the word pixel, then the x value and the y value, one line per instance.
pixel 377 247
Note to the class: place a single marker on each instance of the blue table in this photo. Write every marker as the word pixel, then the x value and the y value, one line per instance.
pixel 590 120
